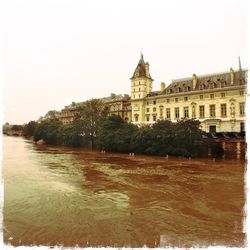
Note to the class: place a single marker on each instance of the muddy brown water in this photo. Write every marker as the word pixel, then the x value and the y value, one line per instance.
pixel 64 196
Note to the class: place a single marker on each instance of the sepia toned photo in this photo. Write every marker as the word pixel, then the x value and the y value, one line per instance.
pixel 124 124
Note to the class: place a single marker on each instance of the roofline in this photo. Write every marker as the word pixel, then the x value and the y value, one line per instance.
pixel 133 77
pixel 205 75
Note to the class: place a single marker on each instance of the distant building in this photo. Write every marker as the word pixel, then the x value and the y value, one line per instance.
pixel 68 114
pixel 120 106
pixel 117 105
pixel 216 100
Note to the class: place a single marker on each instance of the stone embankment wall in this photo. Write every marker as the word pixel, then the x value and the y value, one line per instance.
pixel 234 148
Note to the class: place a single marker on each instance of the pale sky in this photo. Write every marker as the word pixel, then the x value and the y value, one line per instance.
pixel 59 51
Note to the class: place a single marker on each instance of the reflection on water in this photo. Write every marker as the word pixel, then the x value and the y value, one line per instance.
pixel 68 196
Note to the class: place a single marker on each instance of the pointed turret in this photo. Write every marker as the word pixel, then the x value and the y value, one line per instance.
pixel 142 69
pixel 141 81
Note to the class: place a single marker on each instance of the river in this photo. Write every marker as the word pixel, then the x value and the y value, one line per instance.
pixel 66 196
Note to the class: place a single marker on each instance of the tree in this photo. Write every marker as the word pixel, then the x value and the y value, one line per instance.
pixel 29 129
pixel 70 137
pixel 188 136
pixel 17 128
pixel 50 131
pixel 87 123
pixel 50 114
pixel 115 134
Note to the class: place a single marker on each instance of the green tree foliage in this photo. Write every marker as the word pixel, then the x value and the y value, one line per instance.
pixel 70 137
pixel 91 115
pixel 50 131
pixel 29 129
pixel 17 128
pixel 115 134
pixel 188 138
pixel 183 138
pixel 50 114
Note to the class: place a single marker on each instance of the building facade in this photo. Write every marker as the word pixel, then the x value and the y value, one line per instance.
pixel 121 107
pixel 68 114
pixel 116 104
pixel 216 100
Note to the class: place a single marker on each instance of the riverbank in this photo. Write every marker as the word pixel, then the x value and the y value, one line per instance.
pixel 233 149
pixel 115 157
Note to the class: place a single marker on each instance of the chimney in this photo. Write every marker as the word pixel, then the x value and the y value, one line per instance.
pixel 194 78
pixel 239 64
pixel 231 76
pixel 147 69
pixel 163 86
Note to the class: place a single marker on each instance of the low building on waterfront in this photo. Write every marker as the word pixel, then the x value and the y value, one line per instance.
pixel 217 100
pixel 69 113
pixel 120 106
pixel 116 104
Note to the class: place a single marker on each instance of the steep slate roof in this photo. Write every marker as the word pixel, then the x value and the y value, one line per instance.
pixel 217 80
pixel 141 69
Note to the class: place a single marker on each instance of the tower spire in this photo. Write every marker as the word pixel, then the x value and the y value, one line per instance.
pixel 239 64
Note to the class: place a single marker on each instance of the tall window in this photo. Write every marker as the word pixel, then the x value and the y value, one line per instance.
pixel 201 97
pixel 147 118
pixel 242 108
pixel 185 98
pixel 147 109
pixel 186 112
pixel 167 100
pixel 136 118
pixel 212 110
pixel 168 114
pixel 211 96
pixel 161 112
pixel 154 118
pixel 193 112
pixel 177 113
pixel 176 99
pixel 222 95
pixel 223 109
pixel 202 111
pixel 154 109
pixel 242 127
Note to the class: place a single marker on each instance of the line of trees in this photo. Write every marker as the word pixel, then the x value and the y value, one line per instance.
pixel 93 128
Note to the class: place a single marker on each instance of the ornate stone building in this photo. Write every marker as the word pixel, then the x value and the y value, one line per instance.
pixel 69 113
pixel 216 100
pixel 120 106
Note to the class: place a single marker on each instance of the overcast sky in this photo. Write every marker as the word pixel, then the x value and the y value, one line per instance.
pixel 59 51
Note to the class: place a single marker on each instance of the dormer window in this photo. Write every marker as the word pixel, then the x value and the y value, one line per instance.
pixel 212 85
